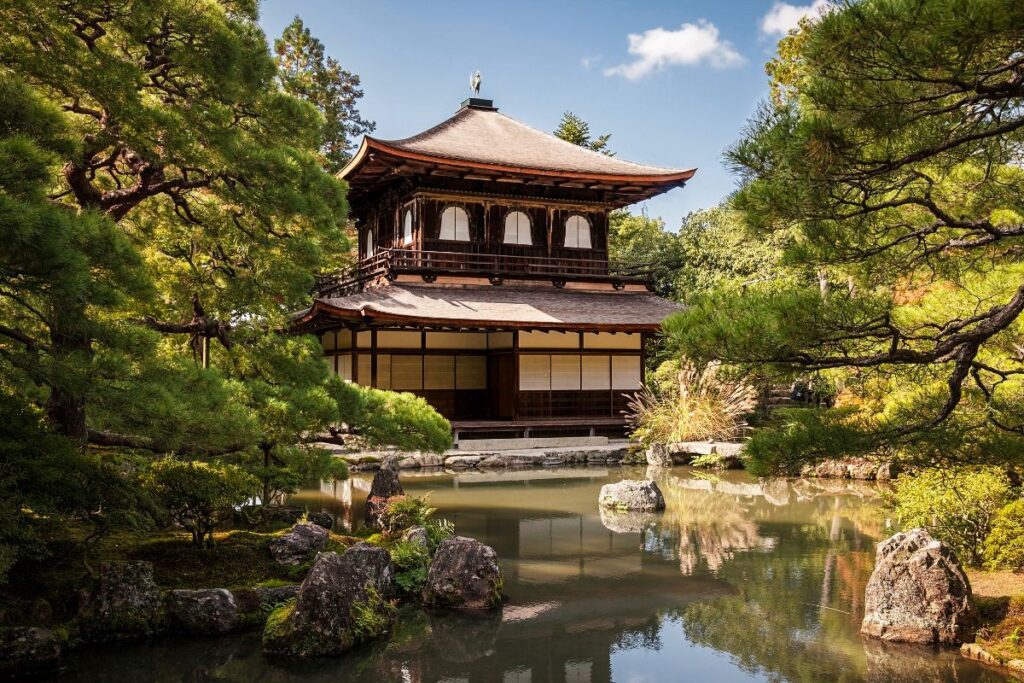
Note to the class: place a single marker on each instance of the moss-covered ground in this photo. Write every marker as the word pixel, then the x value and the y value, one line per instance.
pixel 46 591
pixel 999 597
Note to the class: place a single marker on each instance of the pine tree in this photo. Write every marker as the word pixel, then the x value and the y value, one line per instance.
pixel 577 131
pixel 306 73
pixel 160 193
pixel 892 152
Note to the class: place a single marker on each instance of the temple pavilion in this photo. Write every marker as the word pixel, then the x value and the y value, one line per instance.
pixel 484 283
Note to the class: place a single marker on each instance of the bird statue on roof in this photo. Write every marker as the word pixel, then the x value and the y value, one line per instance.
pixel 474 82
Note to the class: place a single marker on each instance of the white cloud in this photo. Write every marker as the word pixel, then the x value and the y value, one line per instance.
pixel 691 44
pixel 783 17
pixel 588 62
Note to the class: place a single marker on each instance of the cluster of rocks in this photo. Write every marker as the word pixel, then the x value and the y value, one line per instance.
pixel 346 599
pixel 851 468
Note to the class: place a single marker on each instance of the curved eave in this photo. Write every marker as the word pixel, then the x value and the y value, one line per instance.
pixel 320 308
pixel 370 144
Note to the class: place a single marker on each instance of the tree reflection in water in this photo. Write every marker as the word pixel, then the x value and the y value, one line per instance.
pixel 739 579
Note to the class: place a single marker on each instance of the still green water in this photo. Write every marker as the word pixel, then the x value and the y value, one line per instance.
pixel 739 580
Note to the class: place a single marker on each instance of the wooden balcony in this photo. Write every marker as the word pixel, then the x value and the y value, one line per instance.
pixel 496 267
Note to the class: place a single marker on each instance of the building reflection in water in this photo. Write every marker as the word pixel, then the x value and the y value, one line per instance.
pixel 738 579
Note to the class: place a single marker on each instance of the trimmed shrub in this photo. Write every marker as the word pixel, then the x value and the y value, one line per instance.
pixel 956 505
pixel 1004 546
pixel 198 495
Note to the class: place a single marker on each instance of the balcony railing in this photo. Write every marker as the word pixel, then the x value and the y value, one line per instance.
pixel 389 263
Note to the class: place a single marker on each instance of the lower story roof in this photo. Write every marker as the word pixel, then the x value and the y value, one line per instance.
pixel 492 306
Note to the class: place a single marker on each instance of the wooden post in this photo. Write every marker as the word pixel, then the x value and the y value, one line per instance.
pixel 373 358
pixel 515 375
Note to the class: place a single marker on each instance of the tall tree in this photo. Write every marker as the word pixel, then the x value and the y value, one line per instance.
pixel 305 71
pixel 894 153
pixel 577 131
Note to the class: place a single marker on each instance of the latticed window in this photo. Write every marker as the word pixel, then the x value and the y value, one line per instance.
pixel 455 224
pixel 517 228
pixel 577 232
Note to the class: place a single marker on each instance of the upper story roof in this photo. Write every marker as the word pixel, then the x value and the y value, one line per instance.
pixel 481 143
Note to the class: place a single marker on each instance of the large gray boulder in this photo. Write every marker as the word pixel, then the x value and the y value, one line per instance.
pixel 464 574
pixel 207 611
pixel 342 602
pixel 918 593
pixel 125 604
pixel 27 651
pixel 632 494
pixel 300 544
pixel 385 486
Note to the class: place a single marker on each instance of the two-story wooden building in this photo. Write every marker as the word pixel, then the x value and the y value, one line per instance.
pixel 484 283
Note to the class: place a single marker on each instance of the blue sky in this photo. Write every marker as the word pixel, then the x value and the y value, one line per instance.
pixel 673 82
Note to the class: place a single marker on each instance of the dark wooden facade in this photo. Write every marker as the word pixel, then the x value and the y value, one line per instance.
pixel 539 329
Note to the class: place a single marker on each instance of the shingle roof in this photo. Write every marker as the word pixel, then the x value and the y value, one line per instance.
pixel 485 136
pixel 516 306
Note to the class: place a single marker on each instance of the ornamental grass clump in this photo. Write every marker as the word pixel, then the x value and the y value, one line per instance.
pixel 684 403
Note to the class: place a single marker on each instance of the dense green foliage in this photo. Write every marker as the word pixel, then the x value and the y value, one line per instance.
pixel 1004 546
pixel 197 495
pixel 958 506
pixel 306 72
pixel 888 166
pixel 166 208
pixel 412 562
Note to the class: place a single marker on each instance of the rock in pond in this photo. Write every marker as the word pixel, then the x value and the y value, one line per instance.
pixel 207 611
pixel 342 602
pixel 918 593
pixel 632 494
pixel 28 651
pixel 384 487
pixel 464 574
pixel 300 544
pixel 126 604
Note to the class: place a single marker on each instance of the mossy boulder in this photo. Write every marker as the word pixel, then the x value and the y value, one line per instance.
pixel 464 574
pixel 26 651
pixel 300 544
pixel 126 604
pixel 208 611
pixel 384 487
pixel 342 602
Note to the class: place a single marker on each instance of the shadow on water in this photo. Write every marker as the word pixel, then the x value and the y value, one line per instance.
pixel 738 580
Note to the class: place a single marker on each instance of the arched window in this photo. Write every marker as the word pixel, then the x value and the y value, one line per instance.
pixel 577 232
pixel 369 243
pixel 407 227
pixel 455 224
pixel 517 228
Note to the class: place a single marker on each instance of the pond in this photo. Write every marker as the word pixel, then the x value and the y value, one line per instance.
pixel 739 580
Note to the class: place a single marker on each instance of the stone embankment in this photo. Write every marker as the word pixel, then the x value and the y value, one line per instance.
pixel 851 468
pixel 464 459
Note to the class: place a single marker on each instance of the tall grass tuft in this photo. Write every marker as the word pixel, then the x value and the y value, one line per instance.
pixel 693 405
